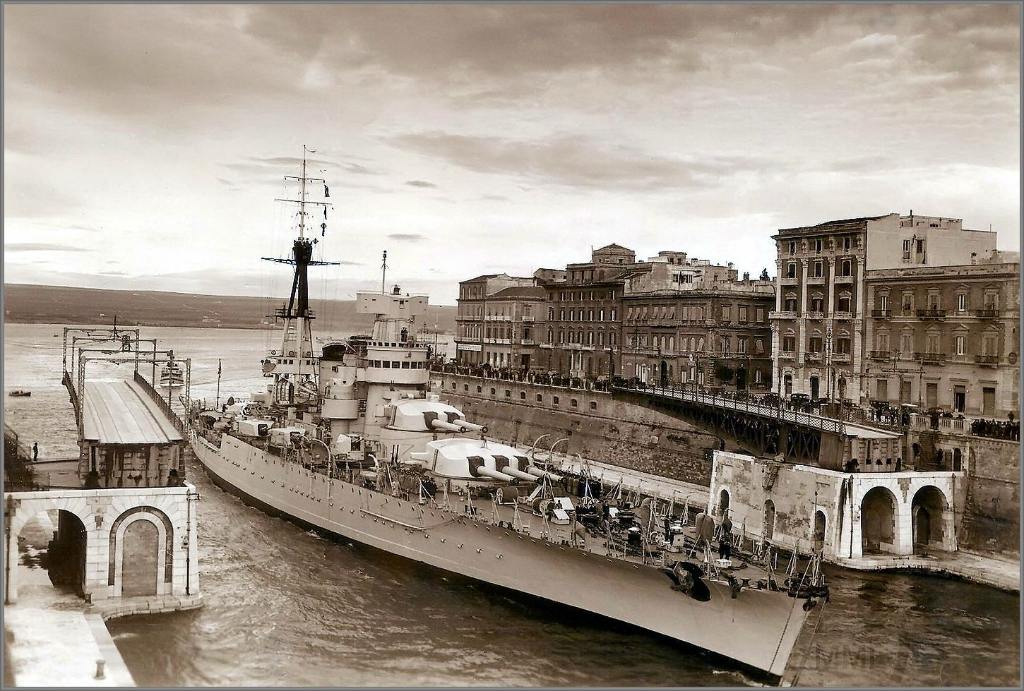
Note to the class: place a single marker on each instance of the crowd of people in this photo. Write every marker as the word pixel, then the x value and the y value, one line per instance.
pixel 999 429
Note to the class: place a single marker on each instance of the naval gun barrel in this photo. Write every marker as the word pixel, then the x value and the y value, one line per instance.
pixel 539 473
pixel 470 426
pixel 516 473
pixel 446 426
pixel 487 472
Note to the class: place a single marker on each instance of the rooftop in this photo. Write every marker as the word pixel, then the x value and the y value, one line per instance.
pixel 535 292
pixel 120 412
pixel 835 225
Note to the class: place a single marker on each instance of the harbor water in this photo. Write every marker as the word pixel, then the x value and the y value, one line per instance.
pixel 288 607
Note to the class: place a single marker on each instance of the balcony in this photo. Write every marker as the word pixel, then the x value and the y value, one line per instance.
pixel 527 342
pixel 814 314
pixel 842 358
pixel 986 359
pixel 527 318
pixel 845 279
pixel 881 314
pixel 880 355
pixel 497 318
pixel 789 281
pixel 843 315
pixel 787 355
pixel 498 341
pixel 986 313
pixel 784 314
pixel 931 313
pixel 930 358
pixel 813 357
pixel 816 280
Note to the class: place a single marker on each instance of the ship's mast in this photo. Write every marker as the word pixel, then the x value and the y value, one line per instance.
pixel 297 339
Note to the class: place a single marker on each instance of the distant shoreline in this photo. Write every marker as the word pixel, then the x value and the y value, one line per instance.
pixel 125 325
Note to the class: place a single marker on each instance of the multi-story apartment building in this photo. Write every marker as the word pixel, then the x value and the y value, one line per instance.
pixel 510 323
pixel 471 327
pixel 818 324
pixel 946 337
pixel 583 327
pixel 690 321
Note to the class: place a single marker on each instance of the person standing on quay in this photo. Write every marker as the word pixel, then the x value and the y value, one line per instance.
pixel 35 451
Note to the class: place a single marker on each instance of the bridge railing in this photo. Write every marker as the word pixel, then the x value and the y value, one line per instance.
pixel 160 401
pixel 776 412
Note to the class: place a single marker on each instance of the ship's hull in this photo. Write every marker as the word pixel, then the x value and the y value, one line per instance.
pixel 757 628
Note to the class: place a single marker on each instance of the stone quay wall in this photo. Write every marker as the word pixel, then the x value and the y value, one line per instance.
pixel 991 521
pixel 598 426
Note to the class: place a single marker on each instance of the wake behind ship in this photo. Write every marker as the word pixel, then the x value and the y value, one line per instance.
pixel 349 441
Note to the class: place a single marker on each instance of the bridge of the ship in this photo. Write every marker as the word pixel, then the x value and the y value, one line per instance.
pixel 765 430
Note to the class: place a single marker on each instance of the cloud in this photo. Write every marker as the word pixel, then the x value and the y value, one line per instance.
pixel 575 161
pixel 419 183
pixel 407 237
pixel 42 247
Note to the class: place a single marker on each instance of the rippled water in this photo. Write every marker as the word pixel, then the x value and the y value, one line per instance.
pixel 288 607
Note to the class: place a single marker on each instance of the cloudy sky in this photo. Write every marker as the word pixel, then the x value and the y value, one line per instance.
pixel 144 145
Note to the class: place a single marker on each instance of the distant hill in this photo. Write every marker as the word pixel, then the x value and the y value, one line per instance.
pixel 63 305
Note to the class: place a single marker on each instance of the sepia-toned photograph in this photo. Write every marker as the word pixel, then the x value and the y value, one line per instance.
pixel 511 345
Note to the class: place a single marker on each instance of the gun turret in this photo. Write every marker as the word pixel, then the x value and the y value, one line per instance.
pixel 487 472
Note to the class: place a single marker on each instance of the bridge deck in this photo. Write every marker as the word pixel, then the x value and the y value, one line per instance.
pixel 818 422
pixel 121 412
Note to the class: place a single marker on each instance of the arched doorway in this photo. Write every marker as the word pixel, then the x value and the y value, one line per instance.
pixel 663 376
pixel 878 521
pixel 814 388
pixel 50 563
pixel 741 378
pixel 723 502
pixel 769 519
pixel 788 385
pixel 927 509
pixel 842 388
pixel 819 530
pixel 140 563
pixel 958 460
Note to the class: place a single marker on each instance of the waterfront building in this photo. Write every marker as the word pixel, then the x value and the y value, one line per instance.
pixel 510 323
pixel 946 337
pixel 471 326
pixel 583 328
pixel 688 321
pixel 819 321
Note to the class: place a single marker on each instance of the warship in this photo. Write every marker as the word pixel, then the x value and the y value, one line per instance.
pixel 351 442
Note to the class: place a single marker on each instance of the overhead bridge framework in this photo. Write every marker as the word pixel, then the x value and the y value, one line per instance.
pixel 759 429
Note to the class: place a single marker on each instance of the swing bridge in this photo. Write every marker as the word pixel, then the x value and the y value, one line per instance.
pixel 761 429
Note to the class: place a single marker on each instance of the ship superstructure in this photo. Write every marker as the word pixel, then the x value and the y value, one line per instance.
pixel 351 442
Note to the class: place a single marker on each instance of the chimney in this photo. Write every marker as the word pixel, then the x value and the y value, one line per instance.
pixel 746 277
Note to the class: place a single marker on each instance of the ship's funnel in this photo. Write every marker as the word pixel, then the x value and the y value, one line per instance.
pixel 487 472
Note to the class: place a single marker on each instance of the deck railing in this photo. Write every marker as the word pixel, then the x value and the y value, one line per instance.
pixel 695 395
pixel 160 401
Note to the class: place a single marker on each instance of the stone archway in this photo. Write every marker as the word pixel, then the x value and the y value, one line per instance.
pixel 723 502
pixel 928 510
pixel 74 526
pixel 878 521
